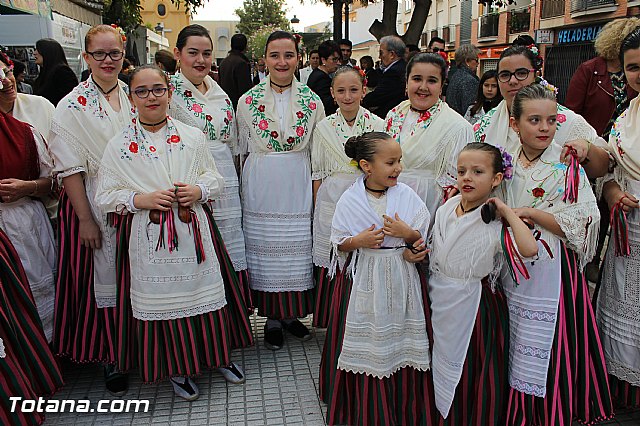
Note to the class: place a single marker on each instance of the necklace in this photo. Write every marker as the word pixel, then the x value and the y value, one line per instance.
pixel 153 124
pixel 375 191
pixel 419 111
pixel 106 94
pixel 531 160
pixel 281 87
pixel 199 84
pixel 468 211
pixel 350 121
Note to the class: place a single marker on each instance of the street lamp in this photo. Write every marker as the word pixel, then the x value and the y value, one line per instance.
pixel 295 20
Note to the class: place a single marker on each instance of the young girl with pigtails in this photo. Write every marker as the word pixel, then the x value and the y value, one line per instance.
pixel 469 316
pixel 377 349
pixel 557 371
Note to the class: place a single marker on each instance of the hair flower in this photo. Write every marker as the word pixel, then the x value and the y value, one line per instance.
pixel 507 163
pixel 353 163
pixel 121 31
pixel 544 83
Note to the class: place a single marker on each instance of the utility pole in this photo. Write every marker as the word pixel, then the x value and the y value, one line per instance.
pixel 346 19
pixel 337 20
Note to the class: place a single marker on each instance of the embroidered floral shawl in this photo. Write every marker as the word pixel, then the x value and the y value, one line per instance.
pixel 211 112
pixel 624 144
pixel 494 128
pixel 259 128
pixel 327 152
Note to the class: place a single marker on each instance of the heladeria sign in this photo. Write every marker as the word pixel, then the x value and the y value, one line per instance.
pixel 579 34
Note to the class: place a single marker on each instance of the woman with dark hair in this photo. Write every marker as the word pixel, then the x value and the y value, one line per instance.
pixel 372 75
pixel 276 120
pixel 619 329
pixel 165 61
pixel 56 79
pixel 488 97
pixel 200 102
pixel 517 68
pixel 430 132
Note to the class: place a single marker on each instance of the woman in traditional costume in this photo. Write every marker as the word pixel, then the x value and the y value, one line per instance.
pixel 430 133
pixel 199 101
pixel 26 176
pixel 617 300
pixel 377 328
pixel 276 120
pixel 469 315
pixel 28 368
pixel 517 68
pixel 332 173
pixel 83 123
pixel 557 369
pixel 157 173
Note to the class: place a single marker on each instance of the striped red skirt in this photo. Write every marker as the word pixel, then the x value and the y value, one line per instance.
pixel 577 381
pixel 81 331
pixel 28 368
pixel 404 398
pixel 481 395
pixel 236 285
pixel 324 294
pixel 167 348
pixel 624 394
pixel 284 304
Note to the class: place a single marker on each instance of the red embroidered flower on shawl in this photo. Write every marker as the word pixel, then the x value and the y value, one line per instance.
pixel 174 139
pixel 312 106
pixel 537 192
pixel 152 148
pixel 82 100
pixel 300 131
pixel 561 118
pixel 476 127
pixel 424 116
pixel 133 147
pixel 196 108
pixel 299 114
pixel 209 118
pixel 229 115
pixel 290 140
pixel 263 125
pixel 274 134
pixel 261 108
pixel 248 100
pixel 188 93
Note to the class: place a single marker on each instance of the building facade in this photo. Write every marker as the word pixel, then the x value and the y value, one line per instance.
pixel 165 18
pixel 221 33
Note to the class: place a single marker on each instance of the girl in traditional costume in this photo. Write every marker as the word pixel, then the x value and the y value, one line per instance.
pixel 557 371
pixel 157 173
pixel 379 348
pixel 517 68
pixel 26 176
pixel 469 315
pixel 83 123
pixel 276 120
pixel 199 101
pixel 333 173
pixel 617 300
pixel 430 133
pixel 28 368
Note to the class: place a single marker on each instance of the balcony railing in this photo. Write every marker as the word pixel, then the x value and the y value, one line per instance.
pixel 551 8
pixel 519 20
pixel 489 25
pixel 586 5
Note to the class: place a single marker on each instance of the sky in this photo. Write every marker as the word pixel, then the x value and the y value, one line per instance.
pixel 309 12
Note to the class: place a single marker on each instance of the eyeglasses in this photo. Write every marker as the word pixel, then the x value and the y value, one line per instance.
pixel 100 55
pixel 435 49
pixel 520 74
pixel 143 92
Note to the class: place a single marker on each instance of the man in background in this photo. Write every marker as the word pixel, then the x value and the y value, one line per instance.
pixel 235 70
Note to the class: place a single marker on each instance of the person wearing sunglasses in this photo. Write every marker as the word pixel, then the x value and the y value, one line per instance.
pixel 83 123
pixel 517 68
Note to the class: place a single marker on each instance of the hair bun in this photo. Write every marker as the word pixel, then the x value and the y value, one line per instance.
pixel 351 147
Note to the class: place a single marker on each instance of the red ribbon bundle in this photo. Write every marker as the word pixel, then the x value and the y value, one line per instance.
pixel 572 178
pixel 620 228
pixel 167 220
pixel 197 237
pixel 514 261
pixel 448 192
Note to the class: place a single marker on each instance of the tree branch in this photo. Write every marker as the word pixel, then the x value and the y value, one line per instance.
pixel 418 20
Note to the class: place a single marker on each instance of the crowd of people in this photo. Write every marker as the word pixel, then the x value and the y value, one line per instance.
pixel 440 238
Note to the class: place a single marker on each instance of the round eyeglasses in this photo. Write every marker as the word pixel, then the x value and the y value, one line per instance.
pixel 100 55
pixel 520 74
pixel 143 92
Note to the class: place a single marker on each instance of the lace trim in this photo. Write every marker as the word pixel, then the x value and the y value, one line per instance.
pixel 180 313
pixel 76 145
pixel 106 302
pixel 532 351
pixel 383 374
pixel 279 216
pixel 3 354
pixel 70 172
pixel 279 250
pixel 623 372
pixel 274 285
pixel 528 388
pixel 531 314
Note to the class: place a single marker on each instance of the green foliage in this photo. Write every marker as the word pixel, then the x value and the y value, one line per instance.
pixel 256 14
pixel 125 13
pixel 257 41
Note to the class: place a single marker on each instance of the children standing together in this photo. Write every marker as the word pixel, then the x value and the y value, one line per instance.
pixel 447 268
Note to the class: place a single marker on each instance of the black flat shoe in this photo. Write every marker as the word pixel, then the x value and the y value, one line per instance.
pixel 117 383
pixel 297 329
pixel 273 338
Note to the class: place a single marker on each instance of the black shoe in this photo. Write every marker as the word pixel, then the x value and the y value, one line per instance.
pixel 296 329
pixel 273 338
pixel 117 383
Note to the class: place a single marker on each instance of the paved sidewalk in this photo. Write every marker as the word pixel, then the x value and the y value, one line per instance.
pixel 281 389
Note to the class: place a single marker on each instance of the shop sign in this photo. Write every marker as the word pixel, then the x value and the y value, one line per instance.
pixel 579 34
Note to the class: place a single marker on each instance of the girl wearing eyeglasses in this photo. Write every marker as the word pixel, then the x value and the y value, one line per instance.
pixel 83 123
pixel 156 175
pixel 517 68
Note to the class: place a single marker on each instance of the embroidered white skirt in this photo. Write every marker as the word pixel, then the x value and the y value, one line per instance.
pixel 425 184
pixel 227 208
pixel 277 204
pixel 27 225
pixel 328 195
pixel 385 328
pixel 618 307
